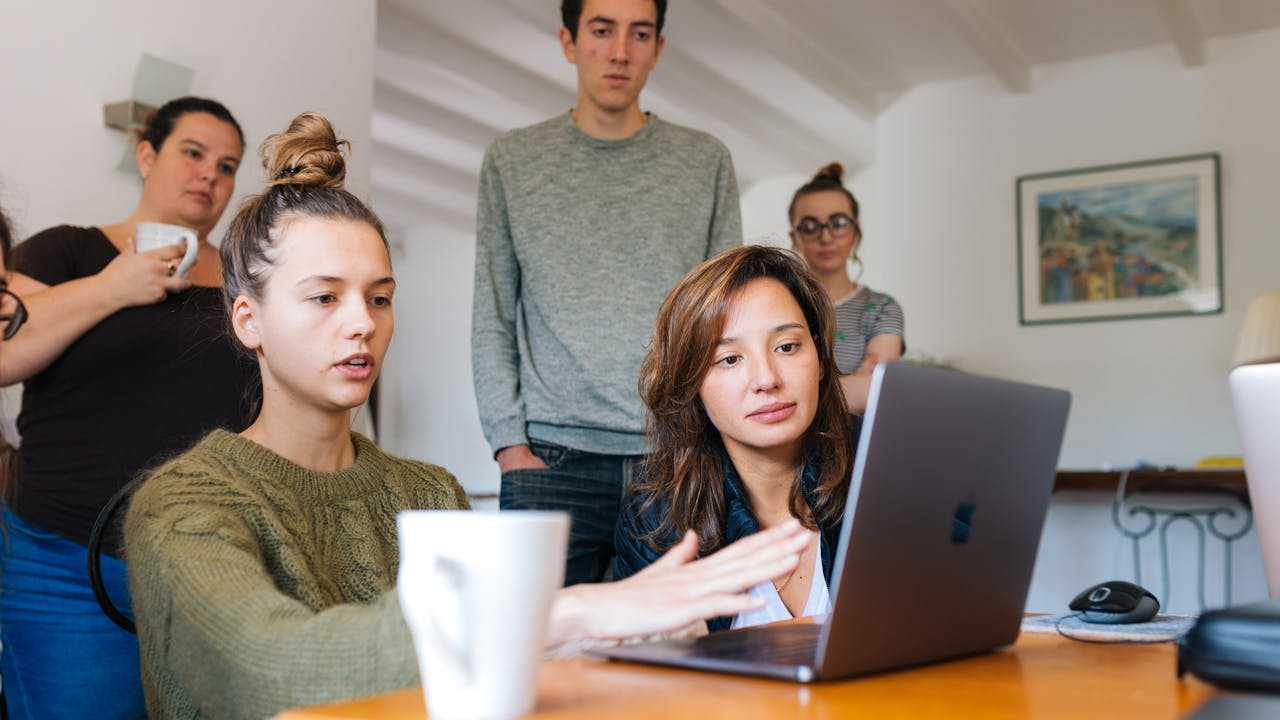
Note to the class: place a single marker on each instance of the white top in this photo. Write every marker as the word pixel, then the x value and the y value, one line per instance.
pixel 818 602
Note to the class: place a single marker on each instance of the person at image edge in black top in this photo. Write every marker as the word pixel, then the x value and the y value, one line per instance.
pixel 124 364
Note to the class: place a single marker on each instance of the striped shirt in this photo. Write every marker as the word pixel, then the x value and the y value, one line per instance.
pixel 860 317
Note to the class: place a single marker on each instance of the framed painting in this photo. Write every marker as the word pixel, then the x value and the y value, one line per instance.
pixel 1137 240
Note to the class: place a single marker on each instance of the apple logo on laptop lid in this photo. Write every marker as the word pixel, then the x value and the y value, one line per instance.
pixel 962 522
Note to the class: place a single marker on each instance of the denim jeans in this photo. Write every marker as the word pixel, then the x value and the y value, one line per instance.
pixel 587 486
pixel 61 657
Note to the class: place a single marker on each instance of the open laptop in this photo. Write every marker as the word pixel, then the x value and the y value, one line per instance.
pixel 949 493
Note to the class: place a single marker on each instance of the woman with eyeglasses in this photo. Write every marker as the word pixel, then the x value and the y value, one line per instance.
pixel 12 312
pixel 869 324
pixel 12 315
pixel 124 363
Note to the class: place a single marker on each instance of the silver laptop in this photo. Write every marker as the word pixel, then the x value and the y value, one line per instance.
pixel 949 493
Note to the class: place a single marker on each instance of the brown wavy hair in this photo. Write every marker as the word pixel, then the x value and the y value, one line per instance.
pixel 686 464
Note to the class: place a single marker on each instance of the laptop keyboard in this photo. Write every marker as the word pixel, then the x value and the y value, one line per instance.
pixel 789 644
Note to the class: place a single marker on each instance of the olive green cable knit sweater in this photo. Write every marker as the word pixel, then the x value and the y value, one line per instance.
pixel 260 585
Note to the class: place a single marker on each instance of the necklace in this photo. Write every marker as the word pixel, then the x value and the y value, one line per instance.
pixel 800 564
pixel 778 588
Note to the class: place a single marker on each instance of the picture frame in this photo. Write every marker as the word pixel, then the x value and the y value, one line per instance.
pixel 1117 242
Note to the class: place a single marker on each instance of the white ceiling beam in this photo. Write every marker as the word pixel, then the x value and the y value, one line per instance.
pixel 684 79
pixel 450 90
pixel 485 71
pixel 993 41
pixel 851 83
pixel 1183 29
pixel 405 210
pixel 422 139
pixel 390 100
pixel 424 177
pixel 414 161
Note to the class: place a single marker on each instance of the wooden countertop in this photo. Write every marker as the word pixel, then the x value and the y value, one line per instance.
pixel 1225 482
pixel 1041 676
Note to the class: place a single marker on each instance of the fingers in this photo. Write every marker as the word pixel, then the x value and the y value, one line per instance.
pixel 757 542
pixel 679 554
pixel 722 605
pixel 167 252
pixel 736 573
pixel 175 283
pixel 746 575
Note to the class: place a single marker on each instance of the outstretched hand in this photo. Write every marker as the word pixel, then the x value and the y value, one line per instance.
pixel 678 590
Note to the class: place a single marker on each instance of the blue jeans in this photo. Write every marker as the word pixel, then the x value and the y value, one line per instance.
pixel 62 658
pixel 587 486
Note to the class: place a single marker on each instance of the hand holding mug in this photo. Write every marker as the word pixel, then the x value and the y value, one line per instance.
pixel 143 278
pixel 152 235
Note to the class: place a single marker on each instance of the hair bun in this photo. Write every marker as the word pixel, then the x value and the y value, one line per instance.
pixel 308 154
pixel 833 171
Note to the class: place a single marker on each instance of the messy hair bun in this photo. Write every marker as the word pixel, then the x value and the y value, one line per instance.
pixel 829 177
pixel 830 172
pixel 305 169
pixel 308 153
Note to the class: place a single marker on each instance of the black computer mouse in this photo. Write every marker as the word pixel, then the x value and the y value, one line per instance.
pixel 1116 601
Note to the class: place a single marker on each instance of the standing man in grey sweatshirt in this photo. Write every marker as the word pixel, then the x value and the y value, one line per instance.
pixel 584 223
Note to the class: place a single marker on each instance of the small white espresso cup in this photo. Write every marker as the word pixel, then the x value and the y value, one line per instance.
pixel 152 235
pixel 476 590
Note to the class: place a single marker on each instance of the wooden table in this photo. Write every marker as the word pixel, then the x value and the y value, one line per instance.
pixel 1042 676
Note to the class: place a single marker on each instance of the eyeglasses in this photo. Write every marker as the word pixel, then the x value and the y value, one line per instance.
pixel 810 230
pixel 12 312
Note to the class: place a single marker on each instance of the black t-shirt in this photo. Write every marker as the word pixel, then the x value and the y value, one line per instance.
pixel 141 386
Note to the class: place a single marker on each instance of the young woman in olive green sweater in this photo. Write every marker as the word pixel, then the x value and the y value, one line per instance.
pixel 262 564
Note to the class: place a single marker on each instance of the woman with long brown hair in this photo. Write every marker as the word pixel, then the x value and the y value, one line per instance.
pixel 747 424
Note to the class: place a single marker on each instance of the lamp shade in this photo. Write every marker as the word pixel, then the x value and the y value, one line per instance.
pixel 1255 394
pixel 1260 335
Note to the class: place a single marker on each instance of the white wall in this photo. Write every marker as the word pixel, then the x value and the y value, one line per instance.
pixel 947 158
pixel 61 61
pixel 266 62
pixel 429 406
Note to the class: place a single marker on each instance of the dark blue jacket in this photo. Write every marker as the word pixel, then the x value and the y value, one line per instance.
pixel 633 553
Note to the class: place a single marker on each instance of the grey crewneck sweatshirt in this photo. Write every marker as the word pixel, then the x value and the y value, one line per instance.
pixel 578 240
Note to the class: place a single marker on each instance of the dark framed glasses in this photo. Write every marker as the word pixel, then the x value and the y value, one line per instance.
pixel 12 312
pixel 810 229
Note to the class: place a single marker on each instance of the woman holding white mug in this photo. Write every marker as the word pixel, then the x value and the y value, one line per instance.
pixel 125 362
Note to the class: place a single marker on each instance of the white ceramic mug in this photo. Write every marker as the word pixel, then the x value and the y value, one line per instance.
pixel 476 590
pixel 152 235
